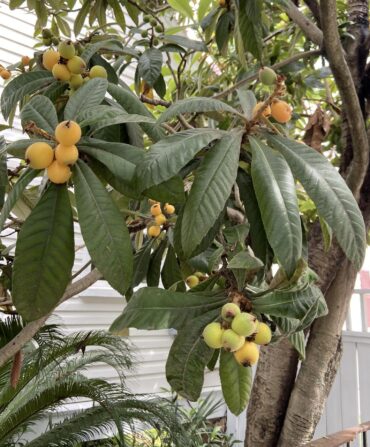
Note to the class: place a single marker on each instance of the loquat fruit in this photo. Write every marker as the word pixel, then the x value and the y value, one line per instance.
pixel 76 81
pixel 160 219
pixel 192 281
pixel 169 209
pixel 50 58
pixel 68 133
pixel 244 324
pixel 229 311
pixel 39 155
pixel 266 112
pixel 76 65
pixel 156 209
pixel 66 49
pixel 212 335
pixel 97 71
pixel 154 231
pixel 61 72
pixel 25 60
pixel 264 335
pixel 5 74
pixel 281 111
pixel 248 354
pixel 58 173
pixel 267 76
pixel 231 341
pixel 67 155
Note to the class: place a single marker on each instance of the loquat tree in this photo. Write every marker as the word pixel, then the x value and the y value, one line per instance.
pixel 232 178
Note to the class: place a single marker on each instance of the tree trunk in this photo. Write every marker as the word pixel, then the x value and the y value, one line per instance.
pixel 318 371
pixel 273 383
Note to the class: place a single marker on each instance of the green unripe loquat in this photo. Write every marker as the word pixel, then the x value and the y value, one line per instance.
pixel 212 335
pixel 244 324
pixel 97 71
pixel 192 281
pixel 231 341
pixel 76 81
pixel 229 311
pixel 67 49
pixel 263 336
pixel 267 76
pixel 76 65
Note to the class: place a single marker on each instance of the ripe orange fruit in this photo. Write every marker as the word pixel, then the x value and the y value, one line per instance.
pixel 266 112
pixel 281 111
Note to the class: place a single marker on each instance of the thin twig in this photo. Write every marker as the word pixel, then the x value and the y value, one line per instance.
pixel 155 102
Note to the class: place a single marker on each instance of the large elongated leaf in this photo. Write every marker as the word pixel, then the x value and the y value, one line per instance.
pixel 89 95
pixel 185 42
pixel 293 304
pixel 195 105
pixel 334 201
pixel 44 255
pixel 155 265
pixel 153 308
pixel 211 188
pixel 119 166
pixel 132 104
pixel 141 263
pixel 150 65
pixel 92 48
pixel 165 158
pixel 103 229
pixel 81 16
pixel 259 242
pixel 236 382
pixel 182 6
pixel 299 343
pixel 250 25
pixel 104 116
pixel 22 85
pixel 27 176
pixel 276 195
pixel 188 357
pixel 42 112
pixel 171 272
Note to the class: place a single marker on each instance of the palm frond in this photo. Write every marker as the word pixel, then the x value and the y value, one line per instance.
pixel 9 328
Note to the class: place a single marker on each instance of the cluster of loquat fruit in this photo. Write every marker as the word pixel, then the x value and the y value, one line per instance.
pixel 280 110
pixel 154 229
pixel 239 332
pixel 4 73
pixel 154 27
pixel 194 279
pixel 56 161
pixel 67 66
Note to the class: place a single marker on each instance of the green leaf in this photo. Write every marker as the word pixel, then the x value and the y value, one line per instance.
pixel 14 4
pixel 153 308
pixel 237 233
pixel 111 117
pixel 294 304
pixel 18 148
pixel 334 201
pixel 257 232
pixel 132 104
pixel 3 171
pixel 155 265
pixel 188 357
pixel 276 195
pixel 223 28
pixel 92 48
pixel 63 25
pixel 211 188
pixel 244 260
pixel 44 255
pixel 202 8
pixel 195 105
pixel 171 272
pixel 141 263
pixel 166 158
pixel 182 6
pixel 89 95
pixel 250 25
pixel 185 42
pixel 21 86
pixel 150 65
pixel 118 166
pixel 236 382
pixel 42 112
pixel 27 176
pixel 118 14
pixel 103 229
pixel 247 100
pixel 81 17
pixel 171 191
pixel 299 343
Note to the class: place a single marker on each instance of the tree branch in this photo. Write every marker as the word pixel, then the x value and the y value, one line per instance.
pixel 309 29
pixel 315 9
pixel 26 334
pixel 347 89
pixel 276 66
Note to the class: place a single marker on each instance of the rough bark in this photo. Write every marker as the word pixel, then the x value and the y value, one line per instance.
pixel 272 386
pixel 318 371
